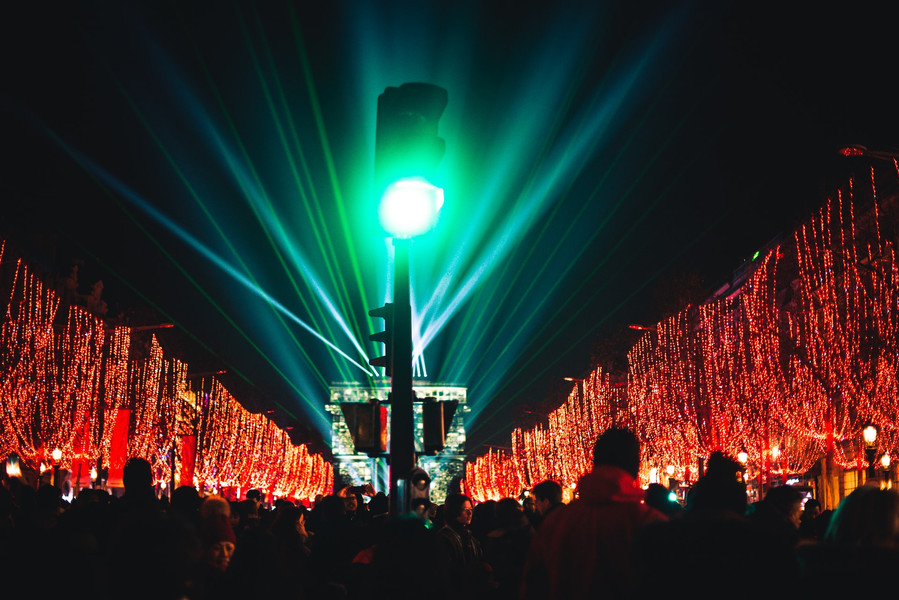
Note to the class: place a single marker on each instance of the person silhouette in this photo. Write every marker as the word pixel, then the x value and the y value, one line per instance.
pixel 584 551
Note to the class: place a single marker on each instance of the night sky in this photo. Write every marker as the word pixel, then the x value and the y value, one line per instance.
pixel 213 161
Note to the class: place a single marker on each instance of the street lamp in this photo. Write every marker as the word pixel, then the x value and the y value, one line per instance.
pixel 56 455
pixel 885 463
pixel 869 434
pixel 12 466
pixel 672 482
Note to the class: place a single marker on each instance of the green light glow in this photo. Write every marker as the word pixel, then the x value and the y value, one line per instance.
pixel 265 165
pixel 409 207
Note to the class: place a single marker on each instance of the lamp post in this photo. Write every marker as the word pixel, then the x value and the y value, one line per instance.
pixel 672 482
pixel 869 434
pixel 885 463
pixel 56 455
pixel 775 467
pixel 12 466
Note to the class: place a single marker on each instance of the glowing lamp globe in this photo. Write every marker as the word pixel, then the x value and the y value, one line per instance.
pixel 870 435
pixel 409 207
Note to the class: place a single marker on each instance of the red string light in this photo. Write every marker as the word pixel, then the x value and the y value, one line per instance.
pixel 63 381
pixel 788 369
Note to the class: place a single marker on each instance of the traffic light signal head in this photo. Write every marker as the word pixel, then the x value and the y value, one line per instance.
pixel 385 337
pixel 367 424
pixel 437 417
pixel 409 207
pixel 407 153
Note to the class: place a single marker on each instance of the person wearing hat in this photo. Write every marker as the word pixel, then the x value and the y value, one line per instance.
pixel 217 532
pixel 219 541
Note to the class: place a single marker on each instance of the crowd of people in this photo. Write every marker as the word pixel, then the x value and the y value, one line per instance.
pixel 615 540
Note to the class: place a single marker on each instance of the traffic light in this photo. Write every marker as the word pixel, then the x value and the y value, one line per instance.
pixel 407 153
pixel 385 337
pixel 367 423
pixel 436 420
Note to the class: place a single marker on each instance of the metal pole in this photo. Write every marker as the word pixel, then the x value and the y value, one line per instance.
pixel 172 482
pixel 402 445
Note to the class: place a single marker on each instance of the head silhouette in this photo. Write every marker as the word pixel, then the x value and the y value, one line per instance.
pixel 721 487
pixel 868 517
pixel 137 476
pixel 620 448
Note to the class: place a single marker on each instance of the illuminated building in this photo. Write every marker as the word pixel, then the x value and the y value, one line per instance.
pixel 357 467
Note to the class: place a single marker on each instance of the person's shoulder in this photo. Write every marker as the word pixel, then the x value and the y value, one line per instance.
pixel 562 516
pixel 653 515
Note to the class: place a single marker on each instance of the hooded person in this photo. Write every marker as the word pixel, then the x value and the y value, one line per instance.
pixel 585 551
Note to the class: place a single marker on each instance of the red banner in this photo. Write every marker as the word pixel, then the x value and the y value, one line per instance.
pixel 118 448
pixel 188 459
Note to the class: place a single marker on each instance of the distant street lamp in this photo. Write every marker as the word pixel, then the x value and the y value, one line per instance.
pixel 56 455
pixel 672 482
pixel 12 466
pixel 885 463
pixel 869 434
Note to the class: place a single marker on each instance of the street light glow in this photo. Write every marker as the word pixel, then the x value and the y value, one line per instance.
pixel 409 207
pixel 870 435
